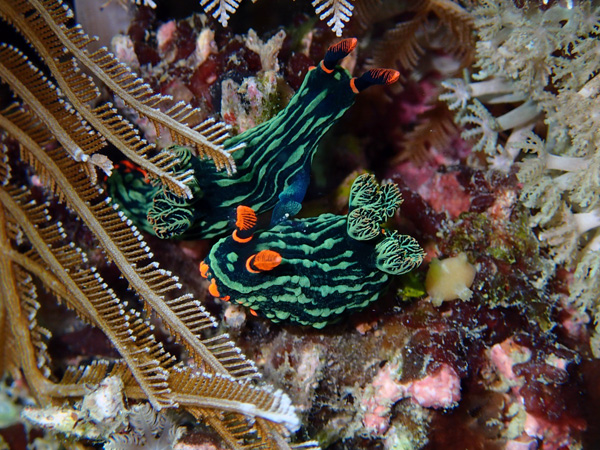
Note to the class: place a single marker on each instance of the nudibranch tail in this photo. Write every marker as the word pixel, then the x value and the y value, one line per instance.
pixel 337 52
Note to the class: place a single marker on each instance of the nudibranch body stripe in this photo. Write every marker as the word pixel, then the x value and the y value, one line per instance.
pixel 274 166
pixel 326 265
pixel 314 282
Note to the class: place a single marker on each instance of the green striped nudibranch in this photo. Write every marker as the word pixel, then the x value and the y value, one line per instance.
pixel 273 168
pixel 311 271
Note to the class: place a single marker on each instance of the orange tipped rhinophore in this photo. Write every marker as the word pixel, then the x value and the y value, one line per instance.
pixel 383 76
pixel 372 77
pixel 345 46
pixel 337 52
pixel 245 222
pixel 263 261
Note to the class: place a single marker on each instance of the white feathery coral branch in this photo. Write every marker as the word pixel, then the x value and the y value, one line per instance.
pixel 220 9
pixel 338 11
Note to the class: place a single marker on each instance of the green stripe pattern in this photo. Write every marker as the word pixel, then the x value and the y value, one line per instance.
pixel 274 166
pixel 325 271
pixel 277 152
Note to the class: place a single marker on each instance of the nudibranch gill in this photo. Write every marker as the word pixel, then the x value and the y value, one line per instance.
pixel 273 168
pixel 311 271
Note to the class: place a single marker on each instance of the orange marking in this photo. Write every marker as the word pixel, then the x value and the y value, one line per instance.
pixel 388 76
pixel 249 265
pixel 226 298
pixel 128 164
pixel 263 261
pixel 246 217
pixel 353 85
pixel 325 69
pixel 203 269
pixel 236 238
pixel 213 289
pixel 346 46
pixel 267 260
pixel 254 313
pixel 130 167
pixel 311 68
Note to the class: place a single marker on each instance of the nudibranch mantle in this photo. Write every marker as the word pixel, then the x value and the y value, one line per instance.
pixel 273 168
pixel 326 265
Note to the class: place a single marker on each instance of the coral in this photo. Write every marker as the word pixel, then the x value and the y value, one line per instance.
pixel 546 58
pixel 405 42
pixel 101 416
pixel 98 415
pixel 538 418
pixel 249 104
pixel 414 33
pixel 441 389
pixel 337 11
pixel 509 369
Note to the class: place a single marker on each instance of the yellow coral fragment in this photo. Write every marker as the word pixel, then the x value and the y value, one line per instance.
pixel 450 279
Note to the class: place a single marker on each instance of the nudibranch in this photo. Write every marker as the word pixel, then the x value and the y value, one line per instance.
pixel 311 271
pixel 273 168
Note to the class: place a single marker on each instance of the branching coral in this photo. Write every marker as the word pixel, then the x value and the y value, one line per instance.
pixel 406 42
pixel 336 12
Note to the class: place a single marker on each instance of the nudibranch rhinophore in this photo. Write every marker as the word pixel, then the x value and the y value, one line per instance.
pixel 311 271
pixel 273 168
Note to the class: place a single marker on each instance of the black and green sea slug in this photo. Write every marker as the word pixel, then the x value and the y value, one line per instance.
pixel 273 168
pixel 311 271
